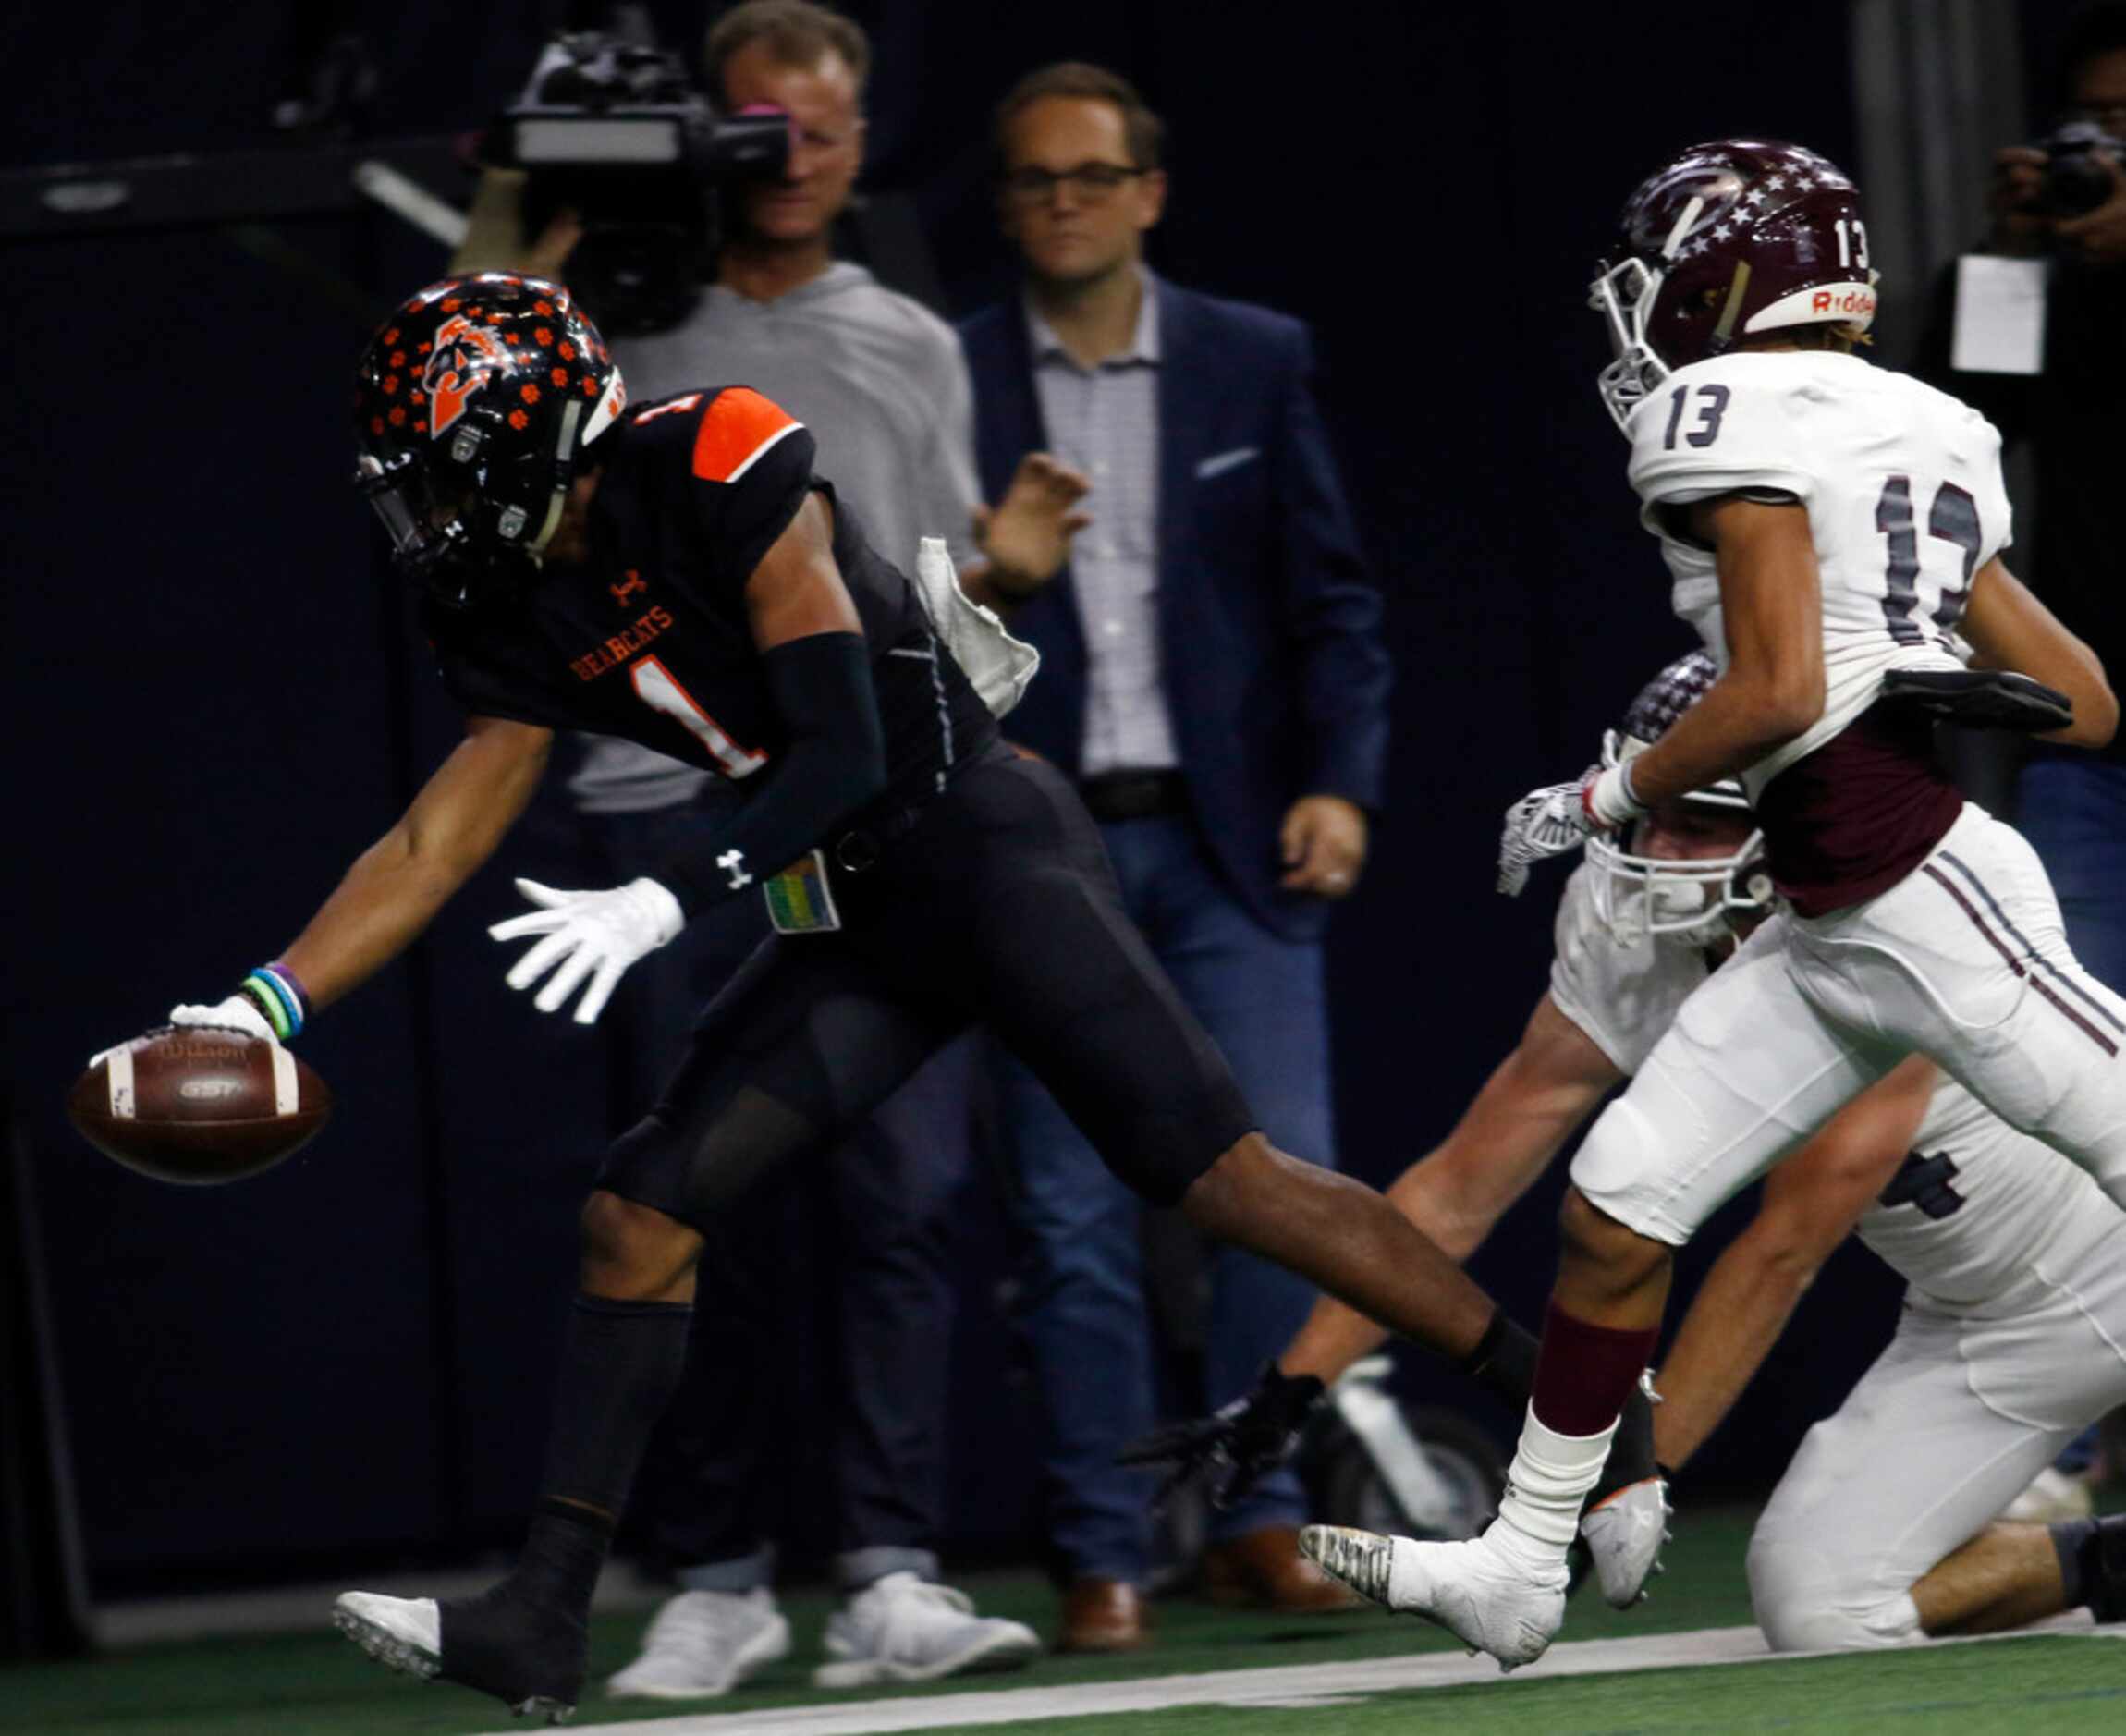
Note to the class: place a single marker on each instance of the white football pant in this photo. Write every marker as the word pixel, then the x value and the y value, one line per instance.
pixel 1964 960
pixel 1955 1417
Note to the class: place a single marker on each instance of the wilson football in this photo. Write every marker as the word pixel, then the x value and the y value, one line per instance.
pixel 198 1104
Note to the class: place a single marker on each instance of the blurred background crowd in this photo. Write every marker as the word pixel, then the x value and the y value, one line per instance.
pixel 1015 269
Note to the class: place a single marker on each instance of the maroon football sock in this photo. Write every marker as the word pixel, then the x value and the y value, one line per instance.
pixel 1584 1373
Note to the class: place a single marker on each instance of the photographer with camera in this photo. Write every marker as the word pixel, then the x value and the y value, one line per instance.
pixel 880 381
pixel 2061 205
pixel 2059 208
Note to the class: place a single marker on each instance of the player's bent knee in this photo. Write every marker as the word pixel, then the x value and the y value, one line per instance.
pixel 1623 1168
pixel 1805 1601
pixel 633 1251
pixel 1590 1233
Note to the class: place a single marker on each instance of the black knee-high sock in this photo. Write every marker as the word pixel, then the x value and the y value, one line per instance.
pixel 619 1363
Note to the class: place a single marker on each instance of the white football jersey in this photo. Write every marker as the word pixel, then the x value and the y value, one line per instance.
pixel 1979 1208
pixel 1903 490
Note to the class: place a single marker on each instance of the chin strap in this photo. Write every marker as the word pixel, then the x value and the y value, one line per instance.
pixel 564 474
pixel 1724 333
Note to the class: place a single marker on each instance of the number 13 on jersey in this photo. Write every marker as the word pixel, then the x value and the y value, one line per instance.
pixel 1953 520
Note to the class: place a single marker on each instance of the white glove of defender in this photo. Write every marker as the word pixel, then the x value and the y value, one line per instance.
pixel 1561 817
pixel 594 935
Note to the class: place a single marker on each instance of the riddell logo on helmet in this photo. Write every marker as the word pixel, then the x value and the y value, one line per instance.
pixel 464 355
pixel 1852 302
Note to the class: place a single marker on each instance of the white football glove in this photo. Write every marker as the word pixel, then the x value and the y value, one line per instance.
pixel 594 935
pixel 1561 817
pixel 238 1013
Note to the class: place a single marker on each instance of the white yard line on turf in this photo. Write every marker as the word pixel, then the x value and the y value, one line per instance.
pixel 1323 1685
pixel 1223 1687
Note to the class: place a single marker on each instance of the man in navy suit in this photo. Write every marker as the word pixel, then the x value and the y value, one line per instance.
pixel 1214 678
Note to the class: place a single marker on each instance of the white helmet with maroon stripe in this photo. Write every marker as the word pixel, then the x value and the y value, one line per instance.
pixel 1690 901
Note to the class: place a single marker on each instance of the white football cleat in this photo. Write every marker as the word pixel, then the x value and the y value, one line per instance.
pixel 702 1644
pixel 1624 1536
pixel 902 1628
pixel 405 1632
pixel 1470 1588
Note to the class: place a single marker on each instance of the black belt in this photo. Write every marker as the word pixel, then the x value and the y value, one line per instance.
pixel 1134 795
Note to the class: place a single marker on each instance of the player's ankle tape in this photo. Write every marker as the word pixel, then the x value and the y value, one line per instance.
pixel 274 990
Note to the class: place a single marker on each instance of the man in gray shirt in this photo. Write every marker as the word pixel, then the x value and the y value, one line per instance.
pixel 881 382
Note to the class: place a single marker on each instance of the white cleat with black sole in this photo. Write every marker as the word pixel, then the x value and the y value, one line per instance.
pixel 406 1634
pixel 1624 1535
pixel 1483 1598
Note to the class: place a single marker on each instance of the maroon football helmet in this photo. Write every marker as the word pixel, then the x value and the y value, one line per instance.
pixel 473 405
pixel 1731 239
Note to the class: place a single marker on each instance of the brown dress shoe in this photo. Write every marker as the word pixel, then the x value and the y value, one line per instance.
pixel 1103 1615
pixel 1264 1570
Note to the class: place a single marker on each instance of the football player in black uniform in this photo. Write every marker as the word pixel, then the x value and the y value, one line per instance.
pixel 675 573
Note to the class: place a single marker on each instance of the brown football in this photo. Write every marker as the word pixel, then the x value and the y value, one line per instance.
pixel 198 1104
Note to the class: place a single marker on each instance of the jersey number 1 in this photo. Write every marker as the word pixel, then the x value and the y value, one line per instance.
pixel 657 689
pixel 1953 518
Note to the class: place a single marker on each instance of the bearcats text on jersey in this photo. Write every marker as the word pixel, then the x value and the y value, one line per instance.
pixel 621 645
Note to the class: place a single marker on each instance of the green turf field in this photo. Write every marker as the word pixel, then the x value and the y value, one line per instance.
pixel 319 1685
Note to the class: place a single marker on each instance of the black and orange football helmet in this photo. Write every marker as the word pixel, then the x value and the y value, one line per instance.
pixel 474 404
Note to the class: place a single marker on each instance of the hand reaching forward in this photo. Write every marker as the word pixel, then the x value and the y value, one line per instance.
pixel 588 935
pixel 1026 535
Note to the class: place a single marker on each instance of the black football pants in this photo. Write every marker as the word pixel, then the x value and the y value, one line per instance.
pixel 998 907
pixel 851 1252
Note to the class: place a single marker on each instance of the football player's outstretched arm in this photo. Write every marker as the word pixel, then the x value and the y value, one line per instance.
pixel 1810 1201
pixel 1527 1109
pixel 1771 601
pixel 396 884
pixel 2011 629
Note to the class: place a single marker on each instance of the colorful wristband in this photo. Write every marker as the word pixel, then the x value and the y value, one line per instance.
pixel 273 989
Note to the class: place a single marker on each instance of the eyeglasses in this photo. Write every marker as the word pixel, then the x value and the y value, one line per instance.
pixel 1090 181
